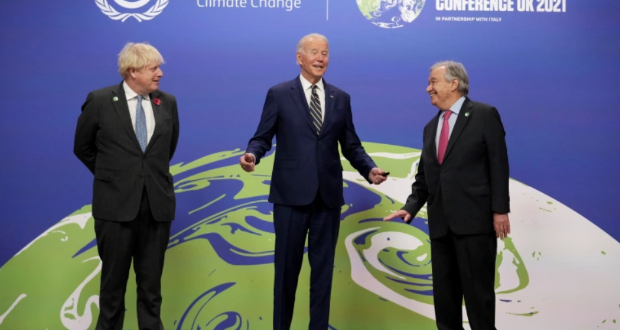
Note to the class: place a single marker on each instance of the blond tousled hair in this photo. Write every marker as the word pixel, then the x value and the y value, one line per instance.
pixel 137 56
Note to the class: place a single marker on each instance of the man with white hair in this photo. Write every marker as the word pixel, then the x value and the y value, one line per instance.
pixel 309 118
pixel 126 136
pixel 463 176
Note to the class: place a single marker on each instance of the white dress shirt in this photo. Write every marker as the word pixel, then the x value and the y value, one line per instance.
pixel 132 102
pixel 307 86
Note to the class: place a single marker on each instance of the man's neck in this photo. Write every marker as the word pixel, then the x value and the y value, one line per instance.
pixel 449 103
pixel 311 80
pixel 135 88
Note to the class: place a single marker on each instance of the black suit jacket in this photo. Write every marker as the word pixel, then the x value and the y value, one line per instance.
pixel 306 163
pixel 472 182
pixel 105 141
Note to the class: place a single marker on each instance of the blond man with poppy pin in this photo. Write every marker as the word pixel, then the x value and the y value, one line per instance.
pixel 126 136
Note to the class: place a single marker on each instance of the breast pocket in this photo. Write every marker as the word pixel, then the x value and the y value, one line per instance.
pixel 163 126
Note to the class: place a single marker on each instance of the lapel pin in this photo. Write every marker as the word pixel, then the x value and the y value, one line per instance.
pixel 331 96
pixel 156 101
pixel 467 114
pixel 115 99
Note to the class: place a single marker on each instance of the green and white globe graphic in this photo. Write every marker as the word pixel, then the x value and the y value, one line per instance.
pixel 556 271
pixel 391 13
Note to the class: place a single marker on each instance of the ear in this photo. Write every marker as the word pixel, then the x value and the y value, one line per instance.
pixel 299 58
pixel 132 72
pixel 455 85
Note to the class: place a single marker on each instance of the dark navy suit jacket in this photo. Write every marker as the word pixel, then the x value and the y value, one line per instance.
pixel 307 163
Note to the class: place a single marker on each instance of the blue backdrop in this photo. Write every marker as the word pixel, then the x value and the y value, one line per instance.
pixel 552 75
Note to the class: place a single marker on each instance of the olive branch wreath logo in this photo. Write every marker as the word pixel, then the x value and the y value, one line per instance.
pixel 146 16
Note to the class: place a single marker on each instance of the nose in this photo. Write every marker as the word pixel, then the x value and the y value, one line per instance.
pixel 160 73
pixel 428 88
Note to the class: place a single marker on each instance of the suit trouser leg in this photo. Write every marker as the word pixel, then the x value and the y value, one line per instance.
pixel 447 289
pixel 114 244
pixel 291 226
pixel 476 256
pixel 145 241
pixel 151 242
pixel 322 240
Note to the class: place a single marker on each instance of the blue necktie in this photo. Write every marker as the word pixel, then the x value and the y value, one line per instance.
pixel 141 124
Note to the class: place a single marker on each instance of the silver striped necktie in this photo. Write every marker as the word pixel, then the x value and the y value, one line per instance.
pixel 315 110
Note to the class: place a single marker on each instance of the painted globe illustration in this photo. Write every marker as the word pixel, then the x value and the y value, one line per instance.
pixel 219 264
pixel 391 13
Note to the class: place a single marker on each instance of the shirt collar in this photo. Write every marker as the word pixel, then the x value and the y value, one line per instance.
pixel 456 107
pixel 305 84
pixel 130 94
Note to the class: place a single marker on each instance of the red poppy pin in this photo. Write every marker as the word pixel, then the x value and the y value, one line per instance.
pixel 156 101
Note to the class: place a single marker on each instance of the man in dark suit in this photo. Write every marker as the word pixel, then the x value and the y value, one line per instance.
pixel 309 118
pixel 463 175
pixel 126 136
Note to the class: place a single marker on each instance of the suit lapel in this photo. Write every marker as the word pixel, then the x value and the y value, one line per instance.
pixel 297 92
pixel 158 111
pixel 120 105
pixel 461 121
pixel 329 107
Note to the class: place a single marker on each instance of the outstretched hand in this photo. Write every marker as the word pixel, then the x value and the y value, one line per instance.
pixel 399 214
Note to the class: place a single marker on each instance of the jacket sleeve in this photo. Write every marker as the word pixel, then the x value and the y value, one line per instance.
pixel 84 146
pixel 419 190
pixel 260 143
pixel 494 136
pixel 175 128
pixel 352 148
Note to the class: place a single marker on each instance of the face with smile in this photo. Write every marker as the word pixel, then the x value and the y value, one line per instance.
pixel 145 80
pixel 313 59
pixel 443 93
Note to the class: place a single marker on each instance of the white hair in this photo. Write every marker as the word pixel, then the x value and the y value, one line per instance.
pixel 455 70
pixel 302 42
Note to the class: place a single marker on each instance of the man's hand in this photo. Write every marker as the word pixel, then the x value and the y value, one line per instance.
pixel 247 162
pixel 501 223
pixel 377 175
pixel 400 214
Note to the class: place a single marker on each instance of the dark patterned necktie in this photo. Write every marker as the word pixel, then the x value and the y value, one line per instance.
pixel 315 109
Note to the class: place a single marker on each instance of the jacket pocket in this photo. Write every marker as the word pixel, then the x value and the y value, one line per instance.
pixel 104 175
pixel 286 163
pixel 479 190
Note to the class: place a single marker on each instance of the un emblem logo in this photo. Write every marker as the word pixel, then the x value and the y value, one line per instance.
pixel 148 15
